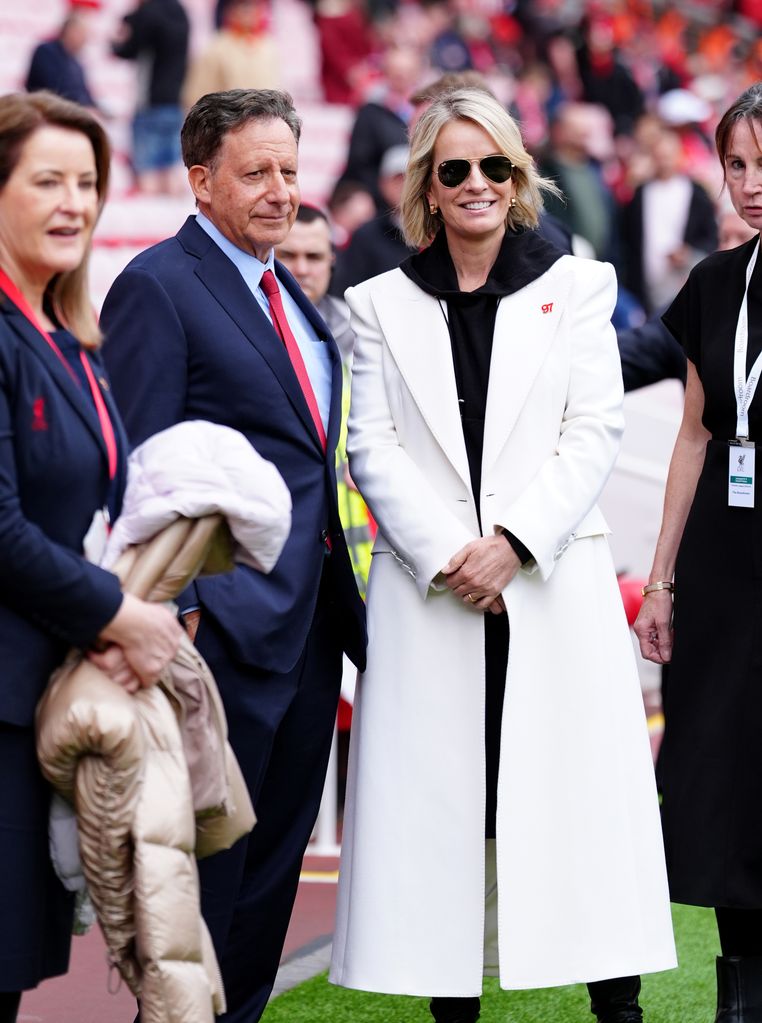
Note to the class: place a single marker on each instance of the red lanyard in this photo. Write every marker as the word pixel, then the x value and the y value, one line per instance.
pixel 107 429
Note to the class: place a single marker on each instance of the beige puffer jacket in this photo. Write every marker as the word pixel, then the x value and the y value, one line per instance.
pixel 135 778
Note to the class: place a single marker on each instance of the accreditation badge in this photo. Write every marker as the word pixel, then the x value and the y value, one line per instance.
pixel 741 474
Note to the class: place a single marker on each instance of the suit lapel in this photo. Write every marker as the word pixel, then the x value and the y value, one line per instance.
pixel 525 329
pixel 80 401
pixel 224 281
pixel 416 333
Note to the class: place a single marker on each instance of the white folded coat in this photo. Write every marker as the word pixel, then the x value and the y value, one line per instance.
pixel 198 468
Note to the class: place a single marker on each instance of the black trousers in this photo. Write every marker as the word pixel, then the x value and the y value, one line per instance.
pixel 740 931
pixel 609 997
pixel 9 1006
pixel 281 728
pixel 496 639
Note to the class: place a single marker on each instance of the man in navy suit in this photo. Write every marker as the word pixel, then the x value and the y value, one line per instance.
pixel 195 330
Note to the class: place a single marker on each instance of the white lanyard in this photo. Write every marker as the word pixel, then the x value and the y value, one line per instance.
pixel 745 388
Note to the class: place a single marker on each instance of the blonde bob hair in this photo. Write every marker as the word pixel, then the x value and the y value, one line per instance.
pixel 21 115
pixel 419 225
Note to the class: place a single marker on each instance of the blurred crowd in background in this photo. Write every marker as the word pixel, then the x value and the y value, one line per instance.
pixel 617 100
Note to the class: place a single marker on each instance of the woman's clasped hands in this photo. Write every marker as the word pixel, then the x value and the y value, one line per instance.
pixel 481 570
pixel 142 639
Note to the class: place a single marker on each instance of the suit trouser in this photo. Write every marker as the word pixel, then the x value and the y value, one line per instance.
pixel 281 728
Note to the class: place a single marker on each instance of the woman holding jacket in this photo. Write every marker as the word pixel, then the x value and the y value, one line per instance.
pixel 502 814
pixel 62 476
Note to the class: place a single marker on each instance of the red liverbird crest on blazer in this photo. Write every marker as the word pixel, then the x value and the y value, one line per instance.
pixel 39 422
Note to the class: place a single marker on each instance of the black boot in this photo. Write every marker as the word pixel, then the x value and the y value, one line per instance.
pixel 9 1006
pixel 739 989
pixel 455 1010
pixel 615 1000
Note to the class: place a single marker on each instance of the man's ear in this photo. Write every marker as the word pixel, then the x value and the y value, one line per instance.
pixel 199 178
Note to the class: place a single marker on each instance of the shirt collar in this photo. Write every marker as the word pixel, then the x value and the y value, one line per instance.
pixel 249 267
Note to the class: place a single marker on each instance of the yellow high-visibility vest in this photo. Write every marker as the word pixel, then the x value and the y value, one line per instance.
pixel 352 509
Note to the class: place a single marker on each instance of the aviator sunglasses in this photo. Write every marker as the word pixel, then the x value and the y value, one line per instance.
pixel 454 172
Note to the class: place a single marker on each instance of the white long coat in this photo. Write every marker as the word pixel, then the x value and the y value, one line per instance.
pixel 580 864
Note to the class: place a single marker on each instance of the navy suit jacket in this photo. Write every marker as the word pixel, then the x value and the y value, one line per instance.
pixel 186 339
pixel 53 477
pixel 649 354
pixel 54 68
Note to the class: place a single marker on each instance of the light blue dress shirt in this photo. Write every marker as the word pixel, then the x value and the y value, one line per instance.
pixel 316 354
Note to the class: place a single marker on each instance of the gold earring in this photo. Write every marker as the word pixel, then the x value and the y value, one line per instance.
pixel 513 201
pixel 433 208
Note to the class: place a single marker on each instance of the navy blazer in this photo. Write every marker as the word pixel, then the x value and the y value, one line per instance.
pixel 53 477
pixel 186 339
pixel 53 67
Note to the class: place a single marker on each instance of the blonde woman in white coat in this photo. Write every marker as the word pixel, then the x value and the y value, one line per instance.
pixel 502 815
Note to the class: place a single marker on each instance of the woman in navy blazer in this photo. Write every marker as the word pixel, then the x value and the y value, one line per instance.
pixel 62 476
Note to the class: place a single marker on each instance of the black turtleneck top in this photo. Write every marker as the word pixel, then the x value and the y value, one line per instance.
pixel 470 315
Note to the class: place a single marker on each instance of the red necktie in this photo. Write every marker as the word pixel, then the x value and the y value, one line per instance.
pixel 278 316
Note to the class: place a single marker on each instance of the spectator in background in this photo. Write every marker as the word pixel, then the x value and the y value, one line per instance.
pixel 378 245
pixel 448 50
pixel 733 231
pixel 345 45
pixel 55 64
pixel 561 58
pixel 383 121
pixel 648 59
pixel 589 210
pixel 605 79
pixel 650 353
pixel 686 113
pixel 308 254
pixel 350 205
pixel 155 35
pixel 422 98
pixel 242 54
pixel 667 228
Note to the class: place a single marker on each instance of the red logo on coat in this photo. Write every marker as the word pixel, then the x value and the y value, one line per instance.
pixel 548 307
pixel 39 422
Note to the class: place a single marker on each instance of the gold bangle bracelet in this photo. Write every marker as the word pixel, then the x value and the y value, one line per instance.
pixel 654 587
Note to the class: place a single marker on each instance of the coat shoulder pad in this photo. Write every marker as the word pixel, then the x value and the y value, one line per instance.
pixel 391 286
pixel 587 271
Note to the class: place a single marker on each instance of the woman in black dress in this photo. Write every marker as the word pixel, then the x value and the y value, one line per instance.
pixel 711 543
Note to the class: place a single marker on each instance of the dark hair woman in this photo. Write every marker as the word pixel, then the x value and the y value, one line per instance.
pixel 62 475
pixel 702 603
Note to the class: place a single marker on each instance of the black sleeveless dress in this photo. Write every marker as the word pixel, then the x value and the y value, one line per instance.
pixel 710 765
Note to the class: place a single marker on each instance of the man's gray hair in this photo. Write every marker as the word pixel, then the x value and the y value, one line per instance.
pixel 211 118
